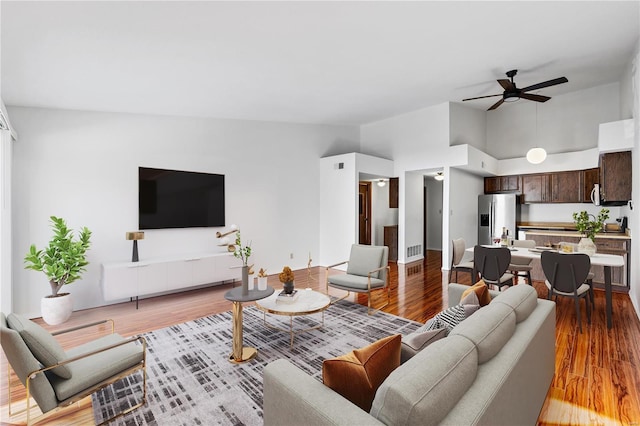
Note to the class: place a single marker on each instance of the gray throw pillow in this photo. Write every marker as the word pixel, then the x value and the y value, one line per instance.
pixel 41 343
pixel 420 340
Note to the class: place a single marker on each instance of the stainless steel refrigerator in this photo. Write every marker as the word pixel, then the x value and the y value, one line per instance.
pixel 494 213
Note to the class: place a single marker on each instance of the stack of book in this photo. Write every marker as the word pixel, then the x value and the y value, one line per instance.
pixel 288 297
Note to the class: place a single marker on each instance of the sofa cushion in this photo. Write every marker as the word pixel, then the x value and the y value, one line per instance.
pixel 357 375
pixel 428 385
pixel 364 259
pixel 489 330
pixel 523 299
pixel 41 343
pixel 481 290
pixel 94 369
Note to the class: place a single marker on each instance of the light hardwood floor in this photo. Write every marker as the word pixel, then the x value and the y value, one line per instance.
pixel 597 380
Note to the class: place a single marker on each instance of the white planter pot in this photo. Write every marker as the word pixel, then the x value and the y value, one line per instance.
pixel 56 310
pixel 587 246
pixel 262 283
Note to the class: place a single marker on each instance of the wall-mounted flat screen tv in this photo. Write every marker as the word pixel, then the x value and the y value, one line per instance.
pixel 179 199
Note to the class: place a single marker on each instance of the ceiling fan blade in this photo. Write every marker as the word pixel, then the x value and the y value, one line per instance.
pixel 507 85
pixel 496 105
pixel 546 84
pixel 482 97
pixel 532 97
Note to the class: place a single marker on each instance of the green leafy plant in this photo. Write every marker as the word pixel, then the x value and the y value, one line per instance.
pixel 590 227
pixel 241 252
pixel 64 260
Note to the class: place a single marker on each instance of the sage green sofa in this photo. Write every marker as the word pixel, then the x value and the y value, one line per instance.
pixel 494 368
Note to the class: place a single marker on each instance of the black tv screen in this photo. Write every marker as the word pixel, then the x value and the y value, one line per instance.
pixel 179 199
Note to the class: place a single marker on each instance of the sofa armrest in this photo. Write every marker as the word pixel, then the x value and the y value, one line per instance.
pixel 292 397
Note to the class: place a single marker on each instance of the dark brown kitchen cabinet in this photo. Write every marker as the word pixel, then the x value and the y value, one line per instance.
pixel 535 188
pixel 566 187
pixel 391 241
pixel 590 178
pixel 393 193
pixel 499 184
pixel 615 177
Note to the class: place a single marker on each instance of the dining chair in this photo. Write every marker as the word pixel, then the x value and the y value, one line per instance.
pixel 566 275
pixel 457 259
pixel 492 263
pixel 521 266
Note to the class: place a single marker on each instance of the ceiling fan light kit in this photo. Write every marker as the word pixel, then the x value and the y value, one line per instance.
pixel 512 93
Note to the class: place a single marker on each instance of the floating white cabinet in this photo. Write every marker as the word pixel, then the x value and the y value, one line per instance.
pixel 131 279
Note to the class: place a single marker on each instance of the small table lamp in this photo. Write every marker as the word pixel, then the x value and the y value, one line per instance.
pixel 135 236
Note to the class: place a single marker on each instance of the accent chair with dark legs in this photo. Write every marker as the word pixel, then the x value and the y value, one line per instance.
pixel 492 263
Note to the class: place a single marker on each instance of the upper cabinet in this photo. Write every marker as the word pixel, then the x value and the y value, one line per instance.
pixel 574 186
pixel 393 193
pixel 590 178
pixel 535 188
pixel 615 177
pixel 566 187
pixel 500 184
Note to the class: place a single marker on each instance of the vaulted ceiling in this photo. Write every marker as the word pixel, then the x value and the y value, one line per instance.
pixel 309 62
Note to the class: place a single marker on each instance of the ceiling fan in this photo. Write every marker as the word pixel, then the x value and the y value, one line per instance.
pixel 512 93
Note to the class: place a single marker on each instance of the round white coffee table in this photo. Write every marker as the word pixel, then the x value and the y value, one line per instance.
pixel 308 302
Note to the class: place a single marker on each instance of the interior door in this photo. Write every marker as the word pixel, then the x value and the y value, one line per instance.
pixel 364 213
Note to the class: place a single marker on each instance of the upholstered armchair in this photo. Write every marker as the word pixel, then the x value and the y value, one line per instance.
pixel 367 271
pixel 55 378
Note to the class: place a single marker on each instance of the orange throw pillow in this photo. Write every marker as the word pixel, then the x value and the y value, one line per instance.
pixel 358 374
pixel 481 290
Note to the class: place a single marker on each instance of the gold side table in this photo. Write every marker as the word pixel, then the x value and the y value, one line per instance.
pixel 242 353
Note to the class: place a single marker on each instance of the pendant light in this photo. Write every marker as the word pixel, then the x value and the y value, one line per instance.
pixel 536 155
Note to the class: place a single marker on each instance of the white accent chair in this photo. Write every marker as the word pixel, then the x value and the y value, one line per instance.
pixel 55 378
pixel 367 270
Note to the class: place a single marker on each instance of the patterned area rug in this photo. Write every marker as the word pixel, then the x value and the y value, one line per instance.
pixel 191 382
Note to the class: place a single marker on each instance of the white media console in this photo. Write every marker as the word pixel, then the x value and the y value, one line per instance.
pixel 123 280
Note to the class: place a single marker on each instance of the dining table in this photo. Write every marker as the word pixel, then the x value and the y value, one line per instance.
pixel 607 261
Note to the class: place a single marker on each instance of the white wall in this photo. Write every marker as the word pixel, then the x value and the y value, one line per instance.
pixel 82 166
pixel 463 190
pixel 565 123
pixel 434 213
pixel 467 126
pixel 382 214
pixel 413 230
pixel 339 201
pixel 634 215
pixel 6 258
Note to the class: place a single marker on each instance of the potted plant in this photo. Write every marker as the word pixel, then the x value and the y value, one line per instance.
pixel 286 278
pixel 243 253
pixel 63 262
pixel 589 225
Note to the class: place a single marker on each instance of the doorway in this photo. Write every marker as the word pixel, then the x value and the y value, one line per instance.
pixel 364 213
